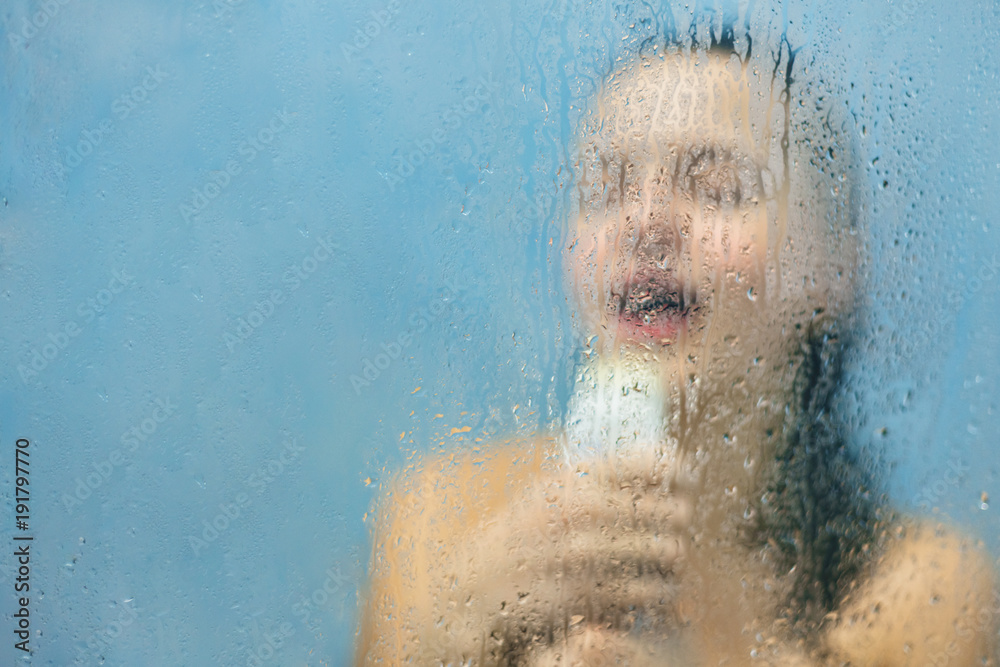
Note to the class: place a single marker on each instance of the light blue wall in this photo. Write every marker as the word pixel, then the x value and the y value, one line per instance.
pixel 117 570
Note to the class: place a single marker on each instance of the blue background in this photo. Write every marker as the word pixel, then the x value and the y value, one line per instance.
pixel 431 153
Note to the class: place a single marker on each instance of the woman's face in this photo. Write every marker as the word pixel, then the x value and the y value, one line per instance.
pixel 678 205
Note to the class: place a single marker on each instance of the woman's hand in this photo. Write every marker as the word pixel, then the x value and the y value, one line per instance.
pixel 578 557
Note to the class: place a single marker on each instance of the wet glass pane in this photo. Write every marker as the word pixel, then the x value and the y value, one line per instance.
pixel 511 333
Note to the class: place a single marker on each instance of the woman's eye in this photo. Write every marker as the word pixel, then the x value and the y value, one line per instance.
pixel 719 185
pixel 718 177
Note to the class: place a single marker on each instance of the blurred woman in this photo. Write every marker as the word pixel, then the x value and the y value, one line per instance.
pixel 699 505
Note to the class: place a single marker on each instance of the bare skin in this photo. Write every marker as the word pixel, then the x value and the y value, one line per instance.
pixel 618 540
pixel 467 541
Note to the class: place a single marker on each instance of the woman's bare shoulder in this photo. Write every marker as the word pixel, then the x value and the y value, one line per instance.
pixel 931 599
pixel 428 509
pixel 463 482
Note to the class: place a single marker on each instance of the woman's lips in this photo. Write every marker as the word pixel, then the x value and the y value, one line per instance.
pixel 660 328
pixel 653 306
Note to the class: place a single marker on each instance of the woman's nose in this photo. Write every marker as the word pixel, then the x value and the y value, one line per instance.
pixel 656 244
